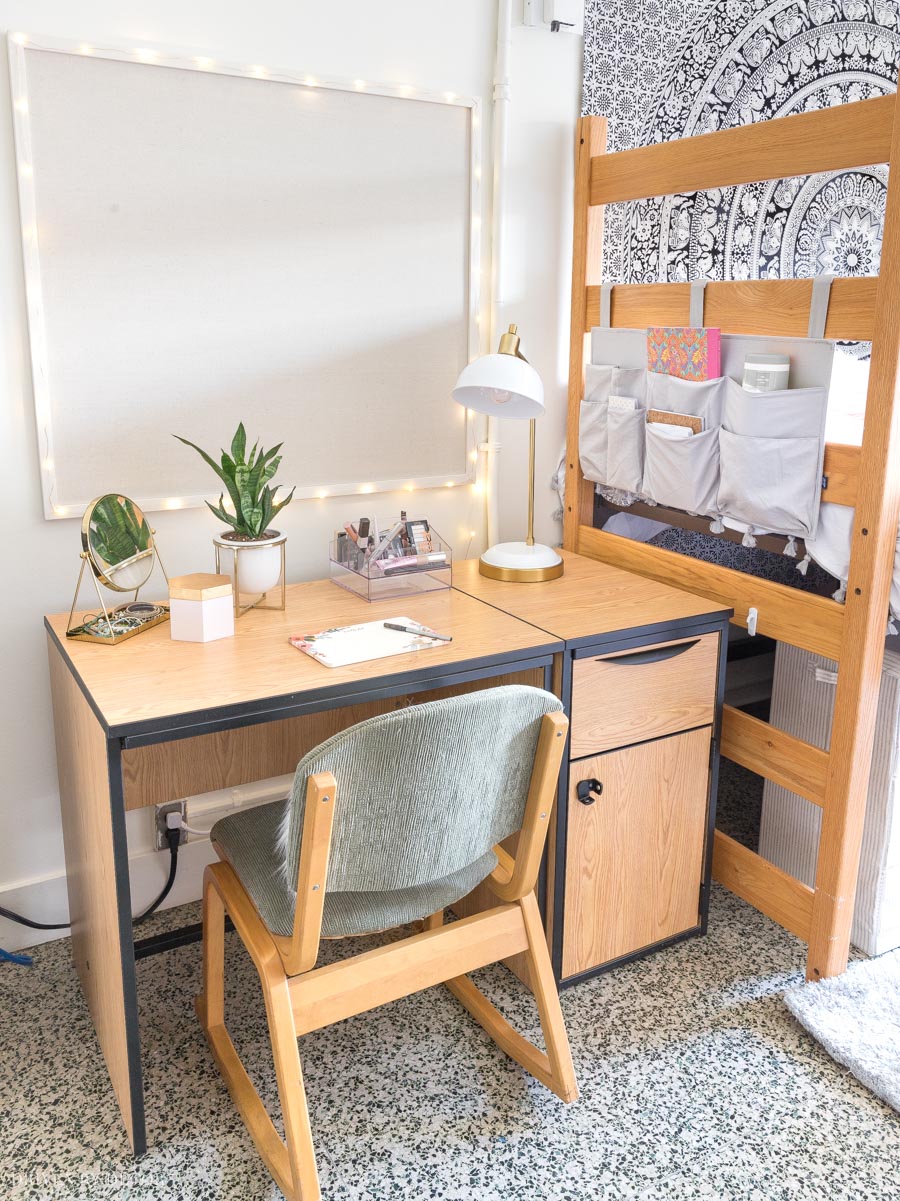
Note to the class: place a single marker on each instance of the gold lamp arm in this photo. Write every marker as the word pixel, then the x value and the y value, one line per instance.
pixel 529 540
pixel 509 344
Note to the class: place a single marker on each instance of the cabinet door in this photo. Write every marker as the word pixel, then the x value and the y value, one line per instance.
pixel 634 857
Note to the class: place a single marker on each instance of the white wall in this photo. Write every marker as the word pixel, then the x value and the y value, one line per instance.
pixel 427 43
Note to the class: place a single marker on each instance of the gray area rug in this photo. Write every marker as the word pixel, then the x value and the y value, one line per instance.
pixel 856 1018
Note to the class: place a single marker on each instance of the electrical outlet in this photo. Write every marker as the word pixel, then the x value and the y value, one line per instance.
pixel 161 811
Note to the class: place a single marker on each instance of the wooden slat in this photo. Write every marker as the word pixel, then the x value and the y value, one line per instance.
pixel 587 237
pixel 775 755
pixel 871 565
pixel 339 990
pixel 776 894
pixel 800 618
pixel 842 469
pixel 766 307
pixel 832 139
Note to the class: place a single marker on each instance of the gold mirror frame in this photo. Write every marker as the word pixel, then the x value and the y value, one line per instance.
pixel 104 570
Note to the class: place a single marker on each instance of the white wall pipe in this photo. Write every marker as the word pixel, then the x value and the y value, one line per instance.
pixel 499 142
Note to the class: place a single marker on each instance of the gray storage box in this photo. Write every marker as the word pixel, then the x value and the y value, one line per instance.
pixel 802 705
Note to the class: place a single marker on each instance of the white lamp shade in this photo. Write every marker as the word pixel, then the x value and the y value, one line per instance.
pixel 500 385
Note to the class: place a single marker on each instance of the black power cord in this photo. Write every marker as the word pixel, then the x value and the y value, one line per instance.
pixel 172 838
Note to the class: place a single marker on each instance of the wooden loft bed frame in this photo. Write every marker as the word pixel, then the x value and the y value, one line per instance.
pixel 866 477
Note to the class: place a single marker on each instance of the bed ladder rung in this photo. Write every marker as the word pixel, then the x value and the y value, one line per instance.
pixel 830 139
pixel 779 896
pixel 814 623
pixel 761 747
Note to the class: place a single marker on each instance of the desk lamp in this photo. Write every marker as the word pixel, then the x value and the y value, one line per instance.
pixel 506 385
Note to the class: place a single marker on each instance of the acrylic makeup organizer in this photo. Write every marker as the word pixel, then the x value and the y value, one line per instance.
pixel 384 574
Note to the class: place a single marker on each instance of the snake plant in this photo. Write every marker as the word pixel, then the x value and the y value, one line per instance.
pixel 118 530
pixel 247 484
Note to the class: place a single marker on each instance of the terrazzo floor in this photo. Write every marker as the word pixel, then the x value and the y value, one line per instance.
pixel 696 1083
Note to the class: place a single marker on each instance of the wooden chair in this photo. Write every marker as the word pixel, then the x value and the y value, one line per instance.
pixel 389 822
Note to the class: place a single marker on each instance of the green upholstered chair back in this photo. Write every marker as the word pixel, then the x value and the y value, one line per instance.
pixel 423 792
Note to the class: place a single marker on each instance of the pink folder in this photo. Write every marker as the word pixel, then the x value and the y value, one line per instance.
pixel 690 352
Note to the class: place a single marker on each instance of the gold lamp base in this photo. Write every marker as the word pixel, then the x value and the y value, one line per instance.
pixel 520 575
pixel 521 563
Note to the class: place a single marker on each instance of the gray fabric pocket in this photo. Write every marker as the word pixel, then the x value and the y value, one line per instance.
pixel 700 398
pixel 600 382
pixel 772 483
pixel 597 381
pixel 592 439
pixel 771 451
pixel 790 413
pixel 682 472
pixel 625 449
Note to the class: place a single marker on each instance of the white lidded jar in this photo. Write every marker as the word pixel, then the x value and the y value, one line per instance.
pixel 766 372
pixel 201 607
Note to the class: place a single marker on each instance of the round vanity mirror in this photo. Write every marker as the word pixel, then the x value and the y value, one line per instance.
pixel 118 542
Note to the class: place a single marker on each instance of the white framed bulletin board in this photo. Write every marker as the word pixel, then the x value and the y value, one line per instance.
pixel 209 243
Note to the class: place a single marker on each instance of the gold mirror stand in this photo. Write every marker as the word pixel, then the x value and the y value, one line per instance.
pixel 81 634
pixel 262 602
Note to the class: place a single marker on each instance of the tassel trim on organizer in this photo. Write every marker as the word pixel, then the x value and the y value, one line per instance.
pixel 748 540
pixel 803 565
pixel 841 595
pixel 717 526
pixel 790 547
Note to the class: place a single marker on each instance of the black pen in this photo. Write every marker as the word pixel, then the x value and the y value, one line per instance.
pixel 420 630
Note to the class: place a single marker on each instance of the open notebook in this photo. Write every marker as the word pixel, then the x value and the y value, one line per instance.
pixel 357 644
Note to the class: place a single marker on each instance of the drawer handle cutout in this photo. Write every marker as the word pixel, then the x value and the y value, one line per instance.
pixel 656 654
pixel 587 791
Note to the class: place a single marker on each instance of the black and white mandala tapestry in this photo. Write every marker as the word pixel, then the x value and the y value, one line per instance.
pixel 665 69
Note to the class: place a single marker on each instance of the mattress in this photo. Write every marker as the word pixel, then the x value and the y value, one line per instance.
pixel 802 705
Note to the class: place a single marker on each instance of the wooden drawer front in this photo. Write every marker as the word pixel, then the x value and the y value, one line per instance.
pixel 635 695
pixel 634 858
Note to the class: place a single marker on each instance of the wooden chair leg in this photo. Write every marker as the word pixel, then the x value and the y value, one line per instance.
pixel 546 995
pixel 210 1004
pixel 292 1165
pixel 292 1093
pixel 554 1069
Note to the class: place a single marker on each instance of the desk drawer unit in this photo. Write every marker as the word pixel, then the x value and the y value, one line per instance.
pixel 631 862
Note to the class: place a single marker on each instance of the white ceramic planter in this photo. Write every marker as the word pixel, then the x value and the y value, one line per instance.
pixel 259 562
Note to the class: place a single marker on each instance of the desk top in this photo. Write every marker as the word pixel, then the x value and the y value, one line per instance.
pixel 590 599
pixel 138 684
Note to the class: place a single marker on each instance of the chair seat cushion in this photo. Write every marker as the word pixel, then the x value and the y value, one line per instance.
pixel 249 841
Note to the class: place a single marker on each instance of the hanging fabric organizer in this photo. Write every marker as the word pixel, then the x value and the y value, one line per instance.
pixel 754 458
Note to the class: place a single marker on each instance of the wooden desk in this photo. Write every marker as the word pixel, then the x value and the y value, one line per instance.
pixel 152 719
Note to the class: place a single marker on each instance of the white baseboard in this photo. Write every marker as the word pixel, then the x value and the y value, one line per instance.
pixel 45 900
